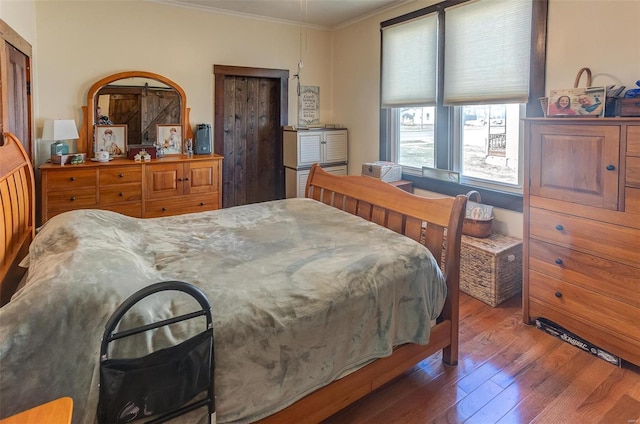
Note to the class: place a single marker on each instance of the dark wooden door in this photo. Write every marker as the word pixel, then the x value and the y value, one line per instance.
pixel 16 79
pixel 251 108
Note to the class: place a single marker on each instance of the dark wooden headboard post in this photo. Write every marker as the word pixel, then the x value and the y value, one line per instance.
pixel 17 212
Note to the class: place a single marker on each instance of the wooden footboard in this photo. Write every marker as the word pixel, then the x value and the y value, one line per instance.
pixel 17 212
pixel 422 219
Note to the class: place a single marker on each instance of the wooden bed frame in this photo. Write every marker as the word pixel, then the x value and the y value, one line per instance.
pixel 366 197
pixel 17 212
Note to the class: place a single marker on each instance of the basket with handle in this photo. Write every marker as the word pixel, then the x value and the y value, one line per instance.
pixel 478 217
pixel 544 101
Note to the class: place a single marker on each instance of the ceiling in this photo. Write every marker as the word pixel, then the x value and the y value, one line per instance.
pixel 316 13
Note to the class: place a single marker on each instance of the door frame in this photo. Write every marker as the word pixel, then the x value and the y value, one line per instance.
pixel 11 37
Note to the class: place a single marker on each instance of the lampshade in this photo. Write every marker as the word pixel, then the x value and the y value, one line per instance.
pixel 60 129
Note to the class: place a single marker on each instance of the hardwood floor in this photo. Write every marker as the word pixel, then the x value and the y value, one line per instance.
pixel 508 372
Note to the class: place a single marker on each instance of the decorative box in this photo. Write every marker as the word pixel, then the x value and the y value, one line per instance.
pixel 385 171
pixel 628 107
pixel 66 159
pixel 491 268
pixel 134 149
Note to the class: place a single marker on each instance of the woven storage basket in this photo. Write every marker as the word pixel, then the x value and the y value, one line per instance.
pixel 480 227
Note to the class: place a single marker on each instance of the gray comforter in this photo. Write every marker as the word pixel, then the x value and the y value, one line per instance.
pixel 301 294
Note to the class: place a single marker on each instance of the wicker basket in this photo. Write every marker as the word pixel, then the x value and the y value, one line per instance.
pixel 477 227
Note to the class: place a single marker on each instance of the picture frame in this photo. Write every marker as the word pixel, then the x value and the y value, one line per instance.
pixel 170 138
pixel 112 138
pixel 309 105
pixel 577 102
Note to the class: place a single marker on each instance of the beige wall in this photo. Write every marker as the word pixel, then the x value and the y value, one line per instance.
pixel 602 35
pixel 79 42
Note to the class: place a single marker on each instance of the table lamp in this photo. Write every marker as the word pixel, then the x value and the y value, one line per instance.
pixel 60 130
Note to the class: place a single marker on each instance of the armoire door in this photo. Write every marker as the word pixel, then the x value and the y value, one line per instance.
pixel 250 110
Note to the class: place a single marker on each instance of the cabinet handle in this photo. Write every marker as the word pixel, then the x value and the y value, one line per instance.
pixel 186 179
pixel 73 198
pixel 179 179
pixel 558 295
pixel 164 209
pixel 121 194
pixel 559 227
pixel 611 167
pixel 559 261
pixel 121 175
pixel 72 179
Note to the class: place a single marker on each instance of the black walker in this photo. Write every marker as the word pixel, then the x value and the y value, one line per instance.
pixel 163 384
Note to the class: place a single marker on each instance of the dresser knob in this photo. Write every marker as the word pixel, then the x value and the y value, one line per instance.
pixel 201 203
pixel 559 227
pixel 558 295
pixel 73 198
pixel 164 209
pixel 121 175
pixel 121 194
pixel 559 261
pixel 72 179
pixel 611 167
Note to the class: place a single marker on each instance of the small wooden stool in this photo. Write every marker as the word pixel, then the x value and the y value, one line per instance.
pixel 55 412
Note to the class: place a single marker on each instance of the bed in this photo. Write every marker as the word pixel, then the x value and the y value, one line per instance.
pixel 343 294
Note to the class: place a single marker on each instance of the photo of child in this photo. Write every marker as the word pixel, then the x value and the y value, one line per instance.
pixel 576 102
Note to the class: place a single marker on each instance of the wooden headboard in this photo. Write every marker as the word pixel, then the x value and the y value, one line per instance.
pixel 433 222
pixel 17 212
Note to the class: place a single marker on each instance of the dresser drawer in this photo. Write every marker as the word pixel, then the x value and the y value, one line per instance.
pixel 72 199
pixel 120 175
pixel 632 200
pixel 120 193
pixel 610 278
pixel 633 171
pixel 618 317
pixel 615 242
pixel 129 209
pixel 633 139
pixel 71 179
pixel 176 206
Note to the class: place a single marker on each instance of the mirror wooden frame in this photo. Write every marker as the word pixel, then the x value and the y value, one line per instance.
pixel 85 142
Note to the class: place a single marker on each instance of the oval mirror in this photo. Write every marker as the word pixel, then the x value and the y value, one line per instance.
pixel 141 100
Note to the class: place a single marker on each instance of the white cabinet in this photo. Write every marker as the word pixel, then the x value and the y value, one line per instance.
pixel 303 148
pixel 296 180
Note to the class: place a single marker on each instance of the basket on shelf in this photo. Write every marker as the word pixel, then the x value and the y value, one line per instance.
pixel 478 217
pixel 544 101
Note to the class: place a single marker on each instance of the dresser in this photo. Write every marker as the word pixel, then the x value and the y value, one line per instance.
pixel 302 148
pixel 166 186
pixel 581 240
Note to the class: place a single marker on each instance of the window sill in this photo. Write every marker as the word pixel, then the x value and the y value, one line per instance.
pixel 498 199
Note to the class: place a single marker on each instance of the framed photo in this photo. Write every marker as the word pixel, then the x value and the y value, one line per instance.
pixel 170 138
pixel 113 139
pixel 577 102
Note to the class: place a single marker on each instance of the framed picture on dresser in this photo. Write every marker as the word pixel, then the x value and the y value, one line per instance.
pixel 113 139
pixel 170 138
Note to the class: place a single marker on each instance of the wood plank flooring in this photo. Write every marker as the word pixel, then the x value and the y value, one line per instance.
pixel 508 373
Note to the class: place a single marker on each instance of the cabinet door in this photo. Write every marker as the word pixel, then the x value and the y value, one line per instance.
pixel 309 148
pixel 335 147
pixel 201 177
pixel 575 163
pixel 164 180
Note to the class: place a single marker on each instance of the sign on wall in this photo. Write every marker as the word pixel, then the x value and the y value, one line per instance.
pixel 309 105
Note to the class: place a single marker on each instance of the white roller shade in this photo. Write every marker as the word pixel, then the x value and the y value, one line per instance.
pixel 409 55
pixel 487 50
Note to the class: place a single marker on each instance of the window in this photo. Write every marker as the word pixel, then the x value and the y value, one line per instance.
pixel 457 79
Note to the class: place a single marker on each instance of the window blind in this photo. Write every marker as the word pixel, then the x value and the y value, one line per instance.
pixel 409 54
pixel 487 51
